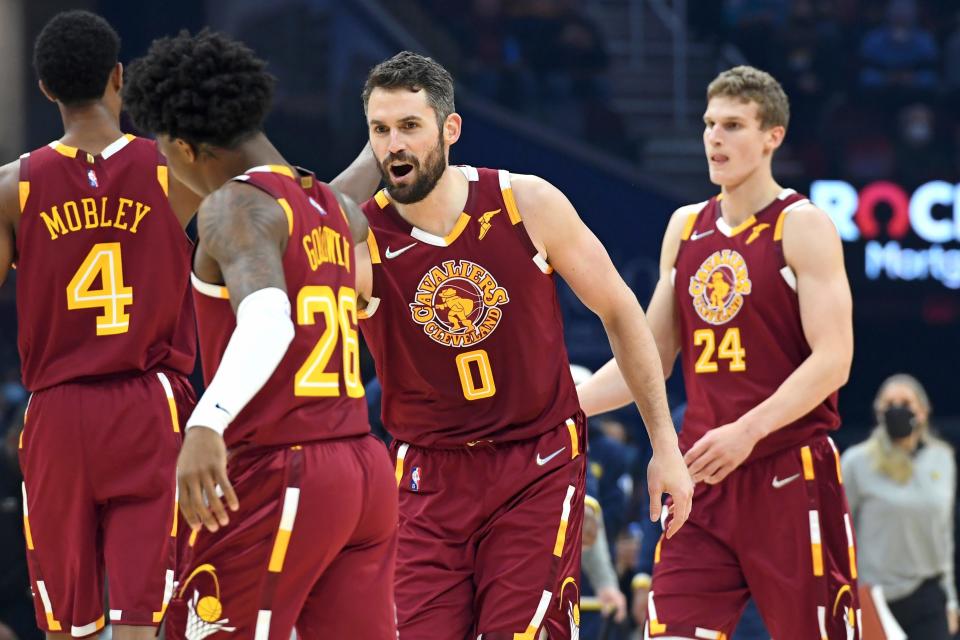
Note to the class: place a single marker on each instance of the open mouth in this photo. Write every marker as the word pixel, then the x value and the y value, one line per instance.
pixel 718 158
pixel 400 170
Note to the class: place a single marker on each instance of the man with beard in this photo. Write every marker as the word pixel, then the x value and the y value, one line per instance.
pixel 490 439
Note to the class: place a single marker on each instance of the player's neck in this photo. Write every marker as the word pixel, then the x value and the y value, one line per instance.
pixel 439 211
pixel 90 127
pixel 255 152
pixel 743 200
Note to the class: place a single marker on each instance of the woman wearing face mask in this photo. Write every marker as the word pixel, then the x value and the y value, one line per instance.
pixel 900 485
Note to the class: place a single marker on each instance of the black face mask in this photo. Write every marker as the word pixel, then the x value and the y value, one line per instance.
pixel 899 421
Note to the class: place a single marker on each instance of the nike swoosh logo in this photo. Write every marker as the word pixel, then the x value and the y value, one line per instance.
pixel 543 461
pixel 217 406
pixel 697 236
pixel 778 483
pixel 393 254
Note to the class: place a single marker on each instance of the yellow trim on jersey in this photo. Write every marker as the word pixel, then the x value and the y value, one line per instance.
pixel 458 228
pixel 401 454
pixel 287 210
pixel 688 225
pixel 64 150
pixel 778 230
pixel 24 194
pixel 281 169
pixel 291 500
pixel 743 226
pixel 807 459
pixel 373 248
pixel 512 209
pixel 574 438
pixel 382 199
pixel 656 551
pixel 163 177
pixel 192 541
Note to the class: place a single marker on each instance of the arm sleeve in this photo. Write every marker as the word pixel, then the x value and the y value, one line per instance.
pixel 263 333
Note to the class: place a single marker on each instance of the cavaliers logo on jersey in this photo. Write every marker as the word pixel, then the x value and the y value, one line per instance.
pixel 719 285
pixel 458 303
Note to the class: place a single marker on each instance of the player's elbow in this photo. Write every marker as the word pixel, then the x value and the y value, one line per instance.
pixel 839 361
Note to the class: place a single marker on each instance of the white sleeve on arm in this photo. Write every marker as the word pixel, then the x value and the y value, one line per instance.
pixel 260 340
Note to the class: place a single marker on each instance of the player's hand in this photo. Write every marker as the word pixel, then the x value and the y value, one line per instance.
pixel 720 451
pixel 667 473
pixel 201 468
pixel 640 605
pixel 613 602
pixel 953 620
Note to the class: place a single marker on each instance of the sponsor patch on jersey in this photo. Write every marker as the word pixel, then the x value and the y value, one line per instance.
pixel 458 303
pixel 92 178
pixel 719 286
pixel 415 479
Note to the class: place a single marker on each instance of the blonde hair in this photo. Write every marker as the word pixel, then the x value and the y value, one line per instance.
pixel 887 457
pixel 749 84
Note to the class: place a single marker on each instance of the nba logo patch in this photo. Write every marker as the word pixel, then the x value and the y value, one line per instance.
pixel 92 178
pixel 415 479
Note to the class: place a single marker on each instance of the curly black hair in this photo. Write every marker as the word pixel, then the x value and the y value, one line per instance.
pixel 205 89
pixel 74 55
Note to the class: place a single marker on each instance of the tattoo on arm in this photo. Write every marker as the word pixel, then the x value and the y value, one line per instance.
pixel 245 231
pixel 359 228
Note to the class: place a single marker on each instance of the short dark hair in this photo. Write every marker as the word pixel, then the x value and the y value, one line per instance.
pixel 74 55
pixel 205 89
pixel 412 71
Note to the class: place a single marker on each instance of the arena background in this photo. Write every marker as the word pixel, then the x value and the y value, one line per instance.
pixel 604 98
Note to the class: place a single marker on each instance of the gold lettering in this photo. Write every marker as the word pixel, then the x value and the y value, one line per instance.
pixel 54 225
pixel 89 213
pixel 346 253
pixel 311 254
pixel 121 212
pixel 103 213
pixel 142 211
pixel 72 213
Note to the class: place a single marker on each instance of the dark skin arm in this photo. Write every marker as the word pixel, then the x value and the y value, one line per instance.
pixel 243 234
pixel 360 180
pixel 9 214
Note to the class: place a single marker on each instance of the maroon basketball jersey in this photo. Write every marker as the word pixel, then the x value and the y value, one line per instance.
pixel 466 330
pixel 740 329
pixel 102 266
pixel 316 392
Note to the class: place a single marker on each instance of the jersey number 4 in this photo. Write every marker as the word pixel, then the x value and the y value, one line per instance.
pixel 339 313
pixel 113 297
pixel 730 349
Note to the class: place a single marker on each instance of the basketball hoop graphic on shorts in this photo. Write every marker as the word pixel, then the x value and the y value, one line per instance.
pixel 203 614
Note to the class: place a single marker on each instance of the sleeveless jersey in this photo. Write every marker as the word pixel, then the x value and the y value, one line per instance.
pixel 740 328
pixel 465 330
pixel 102 266
pixel 316 392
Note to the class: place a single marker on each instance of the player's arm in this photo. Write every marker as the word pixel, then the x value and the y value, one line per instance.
pixel 812 249
pixel 606 390
pixel 360 180
pixel 244 232
pixel 9 212
pixel 359 229
pixel 577 255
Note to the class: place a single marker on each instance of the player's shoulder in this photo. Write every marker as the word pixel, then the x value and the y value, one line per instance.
pixel 9 188
pixel 682 219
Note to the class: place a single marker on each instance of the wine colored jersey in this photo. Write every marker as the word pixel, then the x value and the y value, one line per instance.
pixel 316 392
pixel 466 330
pixel 740 329
pixel 102 266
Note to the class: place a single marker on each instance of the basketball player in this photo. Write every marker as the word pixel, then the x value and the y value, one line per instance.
pixel 754 295
pixel 462 318
pixel 311 542
pixel 106 336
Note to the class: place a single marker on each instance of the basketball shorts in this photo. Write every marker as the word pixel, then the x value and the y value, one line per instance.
pixel 99 464
pixel 777 529
pixel 312 547
pixel 490 538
